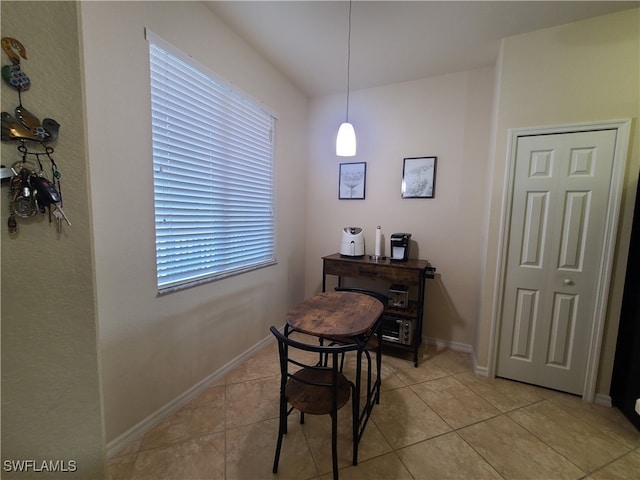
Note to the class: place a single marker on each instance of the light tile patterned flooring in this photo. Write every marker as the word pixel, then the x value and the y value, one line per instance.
pixel 437 421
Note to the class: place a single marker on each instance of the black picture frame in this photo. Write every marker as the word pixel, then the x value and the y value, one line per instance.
pixel 419 177
pixel 352 181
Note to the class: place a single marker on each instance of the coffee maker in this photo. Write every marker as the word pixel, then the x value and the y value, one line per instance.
pixel 400 243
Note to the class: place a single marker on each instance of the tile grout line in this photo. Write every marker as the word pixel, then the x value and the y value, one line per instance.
pixel 586 422
pixel 394 370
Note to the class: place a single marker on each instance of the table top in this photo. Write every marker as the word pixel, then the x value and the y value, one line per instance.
pixel 335 314
pixel 412 263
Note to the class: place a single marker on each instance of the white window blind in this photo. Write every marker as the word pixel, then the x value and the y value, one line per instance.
pixel 212 174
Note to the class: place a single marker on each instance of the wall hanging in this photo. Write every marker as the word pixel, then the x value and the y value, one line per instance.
pixel 30 190
pixel 419 177
pixel 352 181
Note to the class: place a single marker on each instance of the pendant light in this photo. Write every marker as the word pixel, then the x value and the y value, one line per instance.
pixel 346 139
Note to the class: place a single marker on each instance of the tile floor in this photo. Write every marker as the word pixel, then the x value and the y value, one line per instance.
pixel 437 421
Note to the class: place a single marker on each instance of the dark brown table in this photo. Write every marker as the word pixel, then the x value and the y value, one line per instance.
pixel 331 314
pixel 344 317
pixel 412 273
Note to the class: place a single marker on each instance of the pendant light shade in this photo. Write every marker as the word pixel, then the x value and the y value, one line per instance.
pixel 346 139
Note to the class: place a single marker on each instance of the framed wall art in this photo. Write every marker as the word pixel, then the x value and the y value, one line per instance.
pixel 419 177
pixel 351 182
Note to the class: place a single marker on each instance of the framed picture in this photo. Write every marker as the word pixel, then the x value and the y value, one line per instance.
pixel 419 177
pixel 352 181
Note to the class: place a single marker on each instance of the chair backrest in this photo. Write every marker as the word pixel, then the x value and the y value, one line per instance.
pixel 317 379
pixel 382 297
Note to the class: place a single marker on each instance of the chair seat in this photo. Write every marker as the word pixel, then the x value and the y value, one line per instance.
pixel 315 399
pixel 372 341
pixel 317 387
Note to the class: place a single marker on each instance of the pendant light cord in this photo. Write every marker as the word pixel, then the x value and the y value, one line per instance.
pixel 348 61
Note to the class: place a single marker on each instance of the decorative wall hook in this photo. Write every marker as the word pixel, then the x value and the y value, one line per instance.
pixel 28 127
pixel 14 49
pixel 13 74
pixel 30 191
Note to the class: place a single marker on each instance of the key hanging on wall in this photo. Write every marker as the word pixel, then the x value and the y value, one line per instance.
pixel 30 191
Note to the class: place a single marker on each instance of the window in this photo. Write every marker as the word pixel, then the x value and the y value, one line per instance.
pixel 212 174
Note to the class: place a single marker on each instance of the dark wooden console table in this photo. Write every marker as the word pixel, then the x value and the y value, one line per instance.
pixel 411 273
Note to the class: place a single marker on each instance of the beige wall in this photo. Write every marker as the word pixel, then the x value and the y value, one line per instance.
pixel 156 348
pixel 153 349
pixel 581 72
pixel 584 71
pixel 51 406
pixel 446 116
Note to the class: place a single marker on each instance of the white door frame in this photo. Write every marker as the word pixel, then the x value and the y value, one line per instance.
pixel 623 128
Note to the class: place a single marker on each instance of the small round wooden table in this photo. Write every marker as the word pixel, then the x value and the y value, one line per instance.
pixel 335 314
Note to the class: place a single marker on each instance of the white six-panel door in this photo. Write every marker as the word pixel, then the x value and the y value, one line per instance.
pixel 556 234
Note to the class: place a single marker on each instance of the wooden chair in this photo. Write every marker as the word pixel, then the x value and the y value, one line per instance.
pixel 315 386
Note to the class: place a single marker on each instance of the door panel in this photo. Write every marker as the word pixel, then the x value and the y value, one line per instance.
pixel 573 231
pixel 534 223
pixel 563 321
pixel 526 314
pixel 556 233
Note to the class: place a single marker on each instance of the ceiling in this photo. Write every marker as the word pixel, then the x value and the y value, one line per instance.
pixel 391 41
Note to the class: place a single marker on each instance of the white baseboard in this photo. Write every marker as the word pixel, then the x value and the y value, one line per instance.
pixel 478 369
pixel 602 399
pixel 142 427
pixel 459 347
